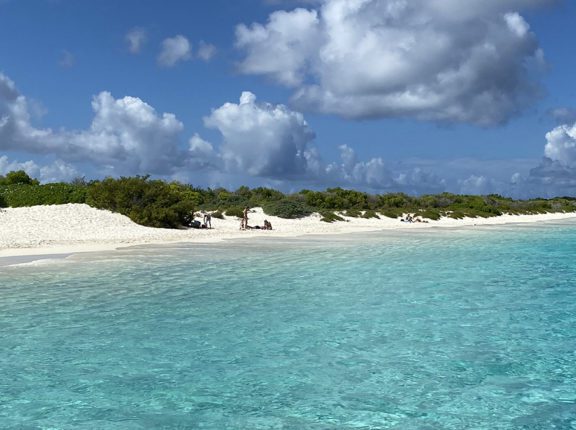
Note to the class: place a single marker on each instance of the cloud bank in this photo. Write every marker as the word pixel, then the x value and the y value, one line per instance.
pixel 127 136
pixel 260 143
pixel 440 60
pixel 54 172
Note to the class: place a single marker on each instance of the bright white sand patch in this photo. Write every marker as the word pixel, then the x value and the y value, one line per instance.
pixel 79 228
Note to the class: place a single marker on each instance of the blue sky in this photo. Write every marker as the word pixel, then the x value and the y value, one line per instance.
pixel 381 95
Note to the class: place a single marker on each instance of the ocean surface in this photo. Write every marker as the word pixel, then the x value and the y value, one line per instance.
pixel 428 330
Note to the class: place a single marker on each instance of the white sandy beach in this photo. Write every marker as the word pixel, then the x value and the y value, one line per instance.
pixel 72 228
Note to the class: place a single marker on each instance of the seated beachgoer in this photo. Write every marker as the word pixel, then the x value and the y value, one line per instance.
pixel 267 225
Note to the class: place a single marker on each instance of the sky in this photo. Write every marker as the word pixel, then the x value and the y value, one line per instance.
pixel 415 96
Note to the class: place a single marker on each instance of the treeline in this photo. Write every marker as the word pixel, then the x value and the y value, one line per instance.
pixel 157 203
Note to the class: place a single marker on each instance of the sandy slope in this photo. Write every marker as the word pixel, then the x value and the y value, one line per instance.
pixel 79 228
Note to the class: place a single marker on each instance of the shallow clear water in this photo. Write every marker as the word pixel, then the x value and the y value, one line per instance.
pixel 429 330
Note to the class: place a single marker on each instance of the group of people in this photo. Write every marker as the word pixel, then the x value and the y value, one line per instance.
pixel 207 221
pixel 245 226
pixel 412 218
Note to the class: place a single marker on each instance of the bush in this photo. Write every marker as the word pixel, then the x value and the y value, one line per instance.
pixel 147 202
pixel 392 212
pixel 430 214
pixel 286 208
pixel 20 195
pixel 235 211
pixel 328 216
pixel 353 213
pixel 456 215
pixel 370 214
pixel 3 203
pixel 218 215
pixel 18 177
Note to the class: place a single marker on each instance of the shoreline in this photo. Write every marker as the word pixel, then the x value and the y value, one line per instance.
pixel 62 230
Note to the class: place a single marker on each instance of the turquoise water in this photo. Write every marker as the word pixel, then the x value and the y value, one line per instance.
pixel 428 330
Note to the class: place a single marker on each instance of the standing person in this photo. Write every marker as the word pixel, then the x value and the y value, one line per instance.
pixel 245 216
pixel 208 220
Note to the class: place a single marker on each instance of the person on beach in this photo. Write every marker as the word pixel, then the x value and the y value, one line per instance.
pixel 267 225
pixel 208 220
pixel 245 216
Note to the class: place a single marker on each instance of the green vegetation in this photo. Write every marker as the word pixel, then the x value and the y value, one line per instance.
pixel 430 214
pixel 18 195
pixel 287 208
pixel 353 213
pixel 394 212
pixel 236 211
pixel 370 214
pixel 218 215
pixel 18 177
pixel 158 203
pixel 329 216
pixel 148 202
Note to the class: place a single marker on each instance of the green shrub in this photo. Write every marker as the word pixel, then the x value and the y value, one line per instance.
pixel 353 213
pixel 286 208
pixel 456 215
pixel 152 203
pixel 328 216
pixel 21 195
pixel 18 177
pixel 370 214
pixel 261 195
pixel 430 214
pixel 3 203
pixel 392 212
pixel 218 215
pixel 235 211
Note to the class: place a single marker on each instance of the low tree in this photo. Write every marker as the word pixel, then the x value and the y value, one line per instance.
pixel 18 177
pixel 152 203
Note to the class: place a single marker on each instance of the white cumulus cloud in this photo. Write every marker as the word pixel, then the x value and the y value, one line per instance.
pixel 561 145
pixel 58 171
pixel 283 48
pixel 442 60
pixel 476 185
pixel 261 139
pixel 372 173
pixel 556 173
pixel 174 50
pixel 127 136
